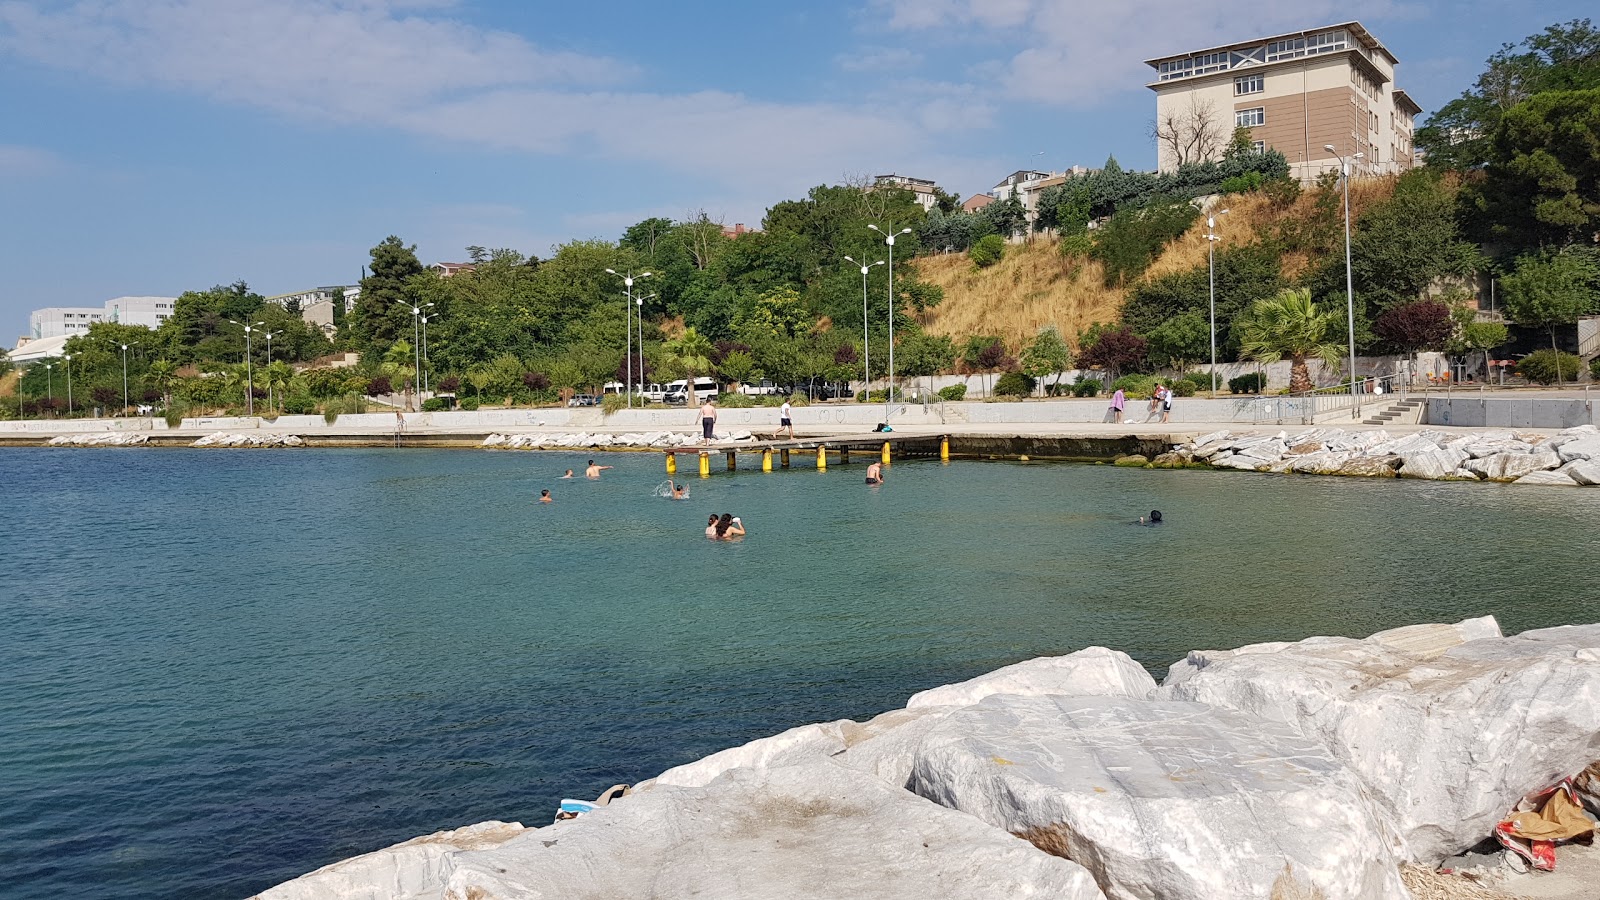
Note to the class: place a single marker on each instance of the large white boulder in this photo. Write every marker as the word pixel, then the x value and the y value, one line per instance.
pixel 1583 472
pixel 1579 447
pixel 1447 741
pixel 1511 466
pixel 795 745
pixel 1165 800
pixel 1431 464
pixel 1560 479
pixel 815 830
pixel 411 870
pixel 1090 672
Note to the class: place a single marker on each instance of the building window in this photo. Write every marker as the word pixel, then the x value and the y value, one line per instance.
pixel 1258 146
pixel 1248 84
pixel 1249 118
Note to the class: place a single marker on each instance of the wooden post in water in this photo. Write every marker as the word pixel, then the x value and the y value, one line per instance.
pixel 844 456
pixel 822 458
pixel 733 460
pixel 672 463
pixel 766 460
pixel 783 456
pixel 705 464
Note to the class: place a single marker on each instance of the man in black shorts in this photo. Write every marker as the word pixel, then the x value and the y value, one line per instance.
pixel 785 421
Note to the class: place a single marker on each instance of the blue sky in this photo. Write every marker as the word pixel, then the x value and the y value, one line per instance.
pixel 156 146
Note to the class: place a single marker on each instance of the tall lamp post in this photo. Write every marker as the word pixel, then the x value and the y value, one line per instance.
pixel 125 374
pixel 639 304
pixel 249 368
pixel 68 357
pixel 627 359
pixel 416 345
pixel 427 363
pixel 270 336
pixel 50 383
pixel 866 348
pixel 1211 263
pixel 888 393
pixel 1349 280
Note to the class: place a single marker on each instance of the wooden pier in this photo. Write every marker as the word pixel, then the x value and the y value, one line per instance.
pixel 883 447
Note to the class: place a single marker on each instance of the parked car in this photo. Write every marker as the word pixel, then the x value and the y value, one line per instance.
pixel 761 389
pixel 655 393
pixel 584 400
pixel 678 391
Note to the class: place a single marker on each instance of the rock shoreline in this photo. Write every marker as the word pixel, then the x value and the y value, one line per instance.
pixel 1336 768
pixel 1570 458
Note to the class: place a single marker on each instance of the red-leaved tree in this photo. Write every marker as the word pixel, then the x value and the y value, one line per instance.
pixel 1415 326
pixel 1114 351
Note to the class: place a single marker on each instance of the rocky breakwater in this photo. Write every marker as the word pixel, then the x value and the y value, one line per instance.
pixel 227 439
pixel 1570 458
pixel 650 440
pixel 1330 767
pixel 103 439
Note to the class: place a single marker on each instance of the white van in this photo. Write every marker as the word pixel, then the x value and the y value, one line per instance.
pixel 704 389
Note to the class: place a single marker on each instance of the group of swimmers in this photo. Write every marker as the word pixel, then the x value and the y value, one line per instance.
pixel 725 527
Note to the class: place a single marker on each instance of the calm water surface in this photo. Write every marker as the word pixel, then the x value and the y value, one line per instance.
pixel 221 669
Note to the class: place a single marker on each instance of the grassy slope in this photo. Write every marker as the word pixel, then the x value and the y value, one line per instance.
pixel 1034 286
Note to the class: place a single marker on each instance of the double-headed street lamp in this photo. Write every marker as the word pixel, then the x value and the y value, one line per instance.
pixel 888 393
pixel 1211 248
pixel 416 344
pixel 627 325
pixel 249 370
pixel 125 373
pixel 425 361
pixel 270 336
pixel 866 348
pixel 49 383
pixel 1349 280
pixel 639 304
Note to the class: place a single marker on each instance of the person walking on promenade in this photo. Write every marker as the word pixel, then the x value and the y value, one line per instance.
pixel 1165 395
pixel 708 418
pixel 1119 402
pixel 784 420
pixel 1155 405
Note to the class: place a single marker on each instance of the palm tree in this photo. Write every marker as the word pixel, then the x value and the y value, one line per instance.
pixel 397 364
pixel 278 374
pixel 161 374
pixel 691 352
pixel 1289 325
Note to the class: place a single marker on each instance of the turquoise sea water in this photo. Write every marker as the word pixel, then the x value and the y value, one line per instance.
pixel 221 669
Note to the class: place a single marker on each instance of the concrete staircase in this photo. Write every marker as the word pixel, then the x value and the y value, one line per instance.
pixel 1400 412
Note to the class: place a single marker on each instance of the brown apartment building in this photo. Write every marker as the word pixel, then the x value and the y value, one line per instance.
pixel 1297 93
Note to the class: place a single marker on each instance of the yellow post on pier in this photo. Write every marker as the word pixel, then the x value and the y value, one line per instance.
pixel 944 449
pixel 766 460
pixel 705 464
pixel 822 458
pixel 886 453
pixel 672 464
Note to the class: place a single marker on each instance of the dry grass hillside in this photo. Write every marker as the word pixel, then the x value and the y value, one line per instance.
pixel 1034 286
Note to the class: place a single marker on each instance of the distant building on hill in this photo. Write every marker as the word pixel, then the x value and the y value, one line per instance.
pixel 451 269
pixel 317 304
pixel 56 321
pixel 977 202
pixel 1296 93
pixel 924 189
pixel 733 231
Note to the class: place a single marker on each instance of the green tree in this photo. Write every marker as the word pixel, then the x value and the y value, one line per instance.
pixel 1289 325
pixel 987 251
pixel 1180 341
pixel 1483 337
pixel 162 375
pixel 739 367
pixel 277 375
pixel 379 317
pixel 690 353
pixel 1552 289
pixel 1006 217
pixel 1542 185
pixel 919 354
pixel 1047 355
pixel 400 369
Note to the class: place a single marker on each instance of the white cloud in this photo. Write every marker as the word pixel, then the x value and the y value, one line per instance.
pixel 1078 54
pixel 879 59
pixel 17 161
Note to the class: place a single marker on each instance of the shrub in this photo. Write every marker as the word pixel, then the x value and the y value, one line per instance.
pixel 1541 366
pixel 1076 245
pixel 174 416
pixel 1594 368
pixel 987 251
pixel 1086 387
pixel 1014 384
pixel 735 401
pixel 535 381
pixel 470 404
pixel 878 396
pixel 299 405
pixel 435 404
pixel 1135 385
pixel 1182 387
pixel 1249 383
pixel 798 399
pixel 379 385
pixel 953 392
pixel 448 384
pixel 1200 380
pixel 1243 184
pixel 610 403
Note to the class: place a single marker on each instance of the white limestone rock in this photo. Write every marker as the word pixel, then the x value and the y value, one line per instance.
pixel 1511 466
pixel 1265 451
pixel 1358 441
pixel 886 746
pixel 797 744
pixel 1163 799
pixel 1447 743
pixel 1090 672
pixel 817 830
pixel 1233 461
pixel 1431 464
pixel 1553 479
pixel 1408 446
pixel 1583 472
pixel 1482 449
pixel 1371 466
pixel 1585 448
pixel 1323 463
pixel 413 869
pixel 1431 639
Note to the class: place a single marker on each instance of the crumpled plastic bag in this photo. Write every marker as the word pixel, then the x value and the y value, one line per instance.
pixel 1540 820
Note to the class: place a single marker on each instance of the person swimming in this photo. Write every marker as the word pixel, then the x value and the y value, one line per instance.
pixel 875 473
pixel 729 527
pixel 711 527
pixel 594 471
pixel 675 491
pixel 568 475
pixel 1155 518
pixel 544 496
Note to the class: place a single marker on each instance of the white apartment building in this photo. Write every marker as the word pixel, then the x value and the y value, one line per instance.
pixel 1297 93
pixel 922 188
pixel 58 321
pixel 320 295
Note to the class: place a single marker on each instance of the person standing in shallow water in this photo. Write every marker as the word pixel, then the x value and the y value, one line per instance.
pixel 875 473
pixel 711 527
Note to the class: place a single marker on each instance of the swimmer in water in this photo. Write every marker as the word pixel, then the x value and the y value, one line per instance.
pixel 568 475
pixel 544 496
pixel 594 471
pixel 875 473
pixel 729 527
pixel 1155 518
pixel 676 491
pixel 711 527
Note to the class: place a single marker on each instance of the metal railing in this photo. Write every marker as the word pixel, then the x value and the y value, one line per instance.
pixel 1304 408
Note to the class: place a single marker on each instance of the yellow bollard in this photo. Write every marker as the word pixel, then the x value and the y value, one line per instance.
pixel 705 464
pixel 766 460
pixel 672 464
pixel 944 449
pixel 822 458
pixel 886 453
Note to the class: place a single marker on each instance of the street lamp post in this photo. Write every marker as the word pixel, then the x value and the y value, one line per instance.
pixel 1349 280
pixel 50 383
pixel 888 393
pixel 270 336
pixel 69 382
pixel 866 348
pixel 426 363
pixel 639 303
pixel 249 368
pixel 627 325
pixel 125 374
pixel 1211 263
pixel 416 345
